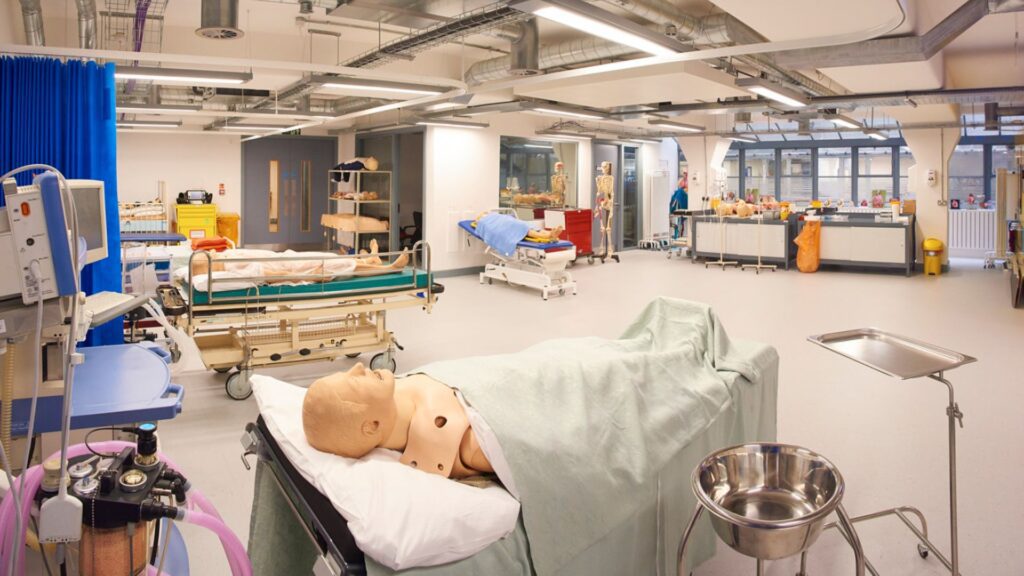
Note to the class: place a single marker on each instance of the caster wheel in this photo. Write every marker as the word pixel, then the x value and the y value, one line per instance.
pixel 353 355
pixel 922 550
pixel 237 385
pixel 383 361
pixel 222 370
pixel 175 354
pixel 489 281
pixel 590 259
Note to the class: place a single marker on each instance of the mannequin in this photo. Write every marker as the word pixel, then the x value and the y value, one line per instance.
pixel 606 209
pixel 559 183
pixel 368 163
pixel 369 265
pixel 351 413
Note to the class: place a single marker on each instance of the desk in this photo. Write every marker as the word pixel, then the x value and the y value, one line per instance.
pixel 118 384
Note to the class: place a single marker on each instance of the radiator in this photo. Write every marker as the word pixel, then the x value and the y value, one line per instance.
pixel 972 233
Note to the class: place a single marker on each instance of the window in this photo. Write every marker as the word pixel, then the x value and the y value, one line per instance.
pixel 874 175
pixel 732 171
pixel 967 175
pixel 906 163
pixel 797 176
pixel 527 174
pixel 835 174
pixel 1002 157
pixel 760 175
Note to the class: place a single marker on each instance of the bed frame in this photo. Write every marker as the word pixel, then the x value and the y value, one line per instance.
pixel 278 325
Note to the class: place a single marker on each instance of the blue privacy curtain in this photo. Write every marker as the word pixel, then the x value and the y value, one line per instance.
pixel 62 114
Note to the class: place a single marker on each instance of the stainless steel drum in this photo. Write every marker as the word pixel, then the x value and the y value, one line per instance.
pixel 768 501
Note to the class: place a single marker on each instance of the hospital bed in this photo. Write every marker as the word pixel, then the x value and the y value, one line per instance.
pixel 537 265
pixel 243 323
pixel 296 529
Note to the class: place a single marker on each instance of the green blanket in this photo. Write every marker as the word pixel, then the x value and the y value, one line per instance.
pixel 589 427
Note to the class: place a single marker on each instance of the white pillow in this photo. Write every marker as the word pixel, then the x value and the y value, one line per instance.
pixel 400 517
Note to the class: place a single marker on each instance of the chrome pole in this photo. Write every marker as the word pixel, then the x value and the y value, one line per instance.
pixel 954 415
pixel 681 558
pixel 851 536
pixel 760 567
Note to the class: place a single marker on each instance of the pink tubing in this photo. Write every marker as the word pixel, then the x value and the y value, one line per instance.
pixel 208 517
pixel 237 558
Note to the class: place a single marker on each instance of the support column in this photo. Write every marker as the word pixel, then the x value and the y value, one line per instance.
pixel 932 149
pixel 704 158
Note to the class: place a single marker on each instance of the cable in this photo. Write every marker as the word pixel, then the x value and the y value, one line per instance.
pixel 94 430
pixel 156 541
pixel 163 551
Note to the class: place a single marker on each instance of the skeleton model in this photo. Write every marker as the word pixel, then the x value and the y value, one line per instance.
pixel 606 209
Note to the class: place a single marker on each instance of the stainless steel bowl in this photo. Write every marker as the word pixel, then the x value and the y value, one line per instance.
pixel 768 500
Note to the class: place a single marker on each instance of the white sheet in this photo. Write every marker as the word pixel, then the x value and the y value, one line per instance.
pixel 400 517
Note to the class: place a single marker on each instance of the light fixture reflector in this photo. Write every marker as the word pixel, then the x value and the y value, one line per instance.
pixel 370 85
pixel 148 124
pixel 843 121
pixel 677 126
pixel 452 124
pixel 773 91
pixel 178 76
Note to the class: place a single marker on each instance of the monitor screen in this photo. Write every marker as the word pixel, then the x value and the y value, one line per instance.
pixel 92 223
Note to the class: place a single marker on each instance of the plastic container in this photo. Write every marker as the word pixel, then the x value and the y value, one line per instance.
pixel 196 220
pixel 227 226
pixel 933 248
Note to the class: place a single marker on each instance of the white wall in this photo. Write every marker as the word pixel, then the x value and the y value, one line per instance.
pixel 932 149
pixel 182 162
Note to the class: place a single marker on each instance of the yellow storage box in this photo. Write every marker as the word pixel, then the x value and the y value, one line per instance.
pixel 196 221
pixel 227 226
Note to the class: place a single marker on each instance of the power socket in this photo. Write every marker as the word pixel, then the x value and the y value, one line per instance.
pixel 60 520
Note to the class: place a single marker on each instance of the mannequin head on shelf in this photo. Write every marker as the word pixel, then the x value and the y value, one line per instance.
pixel 371 163
pixel 350 413
pixel 606 168
pixel 559 167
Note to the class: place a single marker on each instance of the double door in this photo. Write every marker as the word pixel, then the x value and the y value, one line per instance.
pixel 284 191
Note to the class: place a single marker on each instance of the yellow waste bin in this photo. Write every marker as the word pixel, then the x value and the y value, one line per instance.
pixel 227 226
pixel 933 248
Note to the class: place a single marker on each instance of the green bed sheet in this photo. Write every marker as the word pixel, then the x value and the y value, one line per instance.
pixel 368 284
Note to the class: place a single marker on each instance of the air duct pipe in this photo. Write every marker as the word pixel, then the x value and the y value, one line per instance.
pixel 525 55
pixel 32 16
pixel 219 20
pixel 570 53
pixel 86 23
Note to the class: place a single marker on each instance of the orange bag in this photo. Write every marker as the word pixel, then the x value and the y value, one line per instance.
pixel 808 256
pixel 215 244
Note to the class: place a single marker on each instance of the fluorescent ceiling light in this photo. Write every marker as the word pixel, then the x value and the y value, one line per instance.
pixel 596 22
pixel 741 138
pixel 640 139
pixel 252 127
pixel 175 76
pixel 368 85
pixel 556 135
pixel 542 146
pixel 843 121
pixel 773 91
pixel 679 126
pixel 452 124
pixel 155 109
pixel 148 124
pixel 563 111
pixel 876 134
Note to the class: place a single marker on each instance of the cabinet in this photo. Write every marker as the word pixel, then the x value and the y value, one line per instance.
pixel 577 223
pixel 361 210
pixel 196 221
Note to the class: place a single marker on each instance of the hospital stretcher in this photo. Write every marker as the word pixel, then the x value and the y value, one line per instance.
pixel 309 319
pixel 537 265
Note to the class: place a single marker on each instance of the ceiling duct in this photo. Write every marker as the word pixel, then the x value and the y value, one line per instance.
pixel 220 20
pixel 32 16
pixel 900 48
pixel 524 57
pixel 86 23
pixel 710 31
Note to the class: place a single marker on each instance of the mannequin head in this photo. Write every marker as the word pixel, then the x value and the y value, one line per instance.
pixel 350 413
pixel 606 168
pixel 371 163
pixel 559 167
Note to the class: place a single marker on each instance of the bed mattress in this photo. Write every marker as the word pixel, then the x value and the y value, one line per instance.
pixel 467 225
pixel 356 285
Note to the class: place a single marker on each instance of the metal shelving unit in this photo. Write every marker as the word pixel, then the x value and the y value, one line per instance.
pixel 381 208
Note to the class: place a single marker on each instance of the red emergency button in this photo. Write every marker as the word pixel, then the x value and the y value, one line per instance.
pixel 25 211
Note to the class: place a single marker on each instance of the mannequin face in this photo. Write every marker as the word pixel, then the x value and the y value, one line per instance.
pixel 350 413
